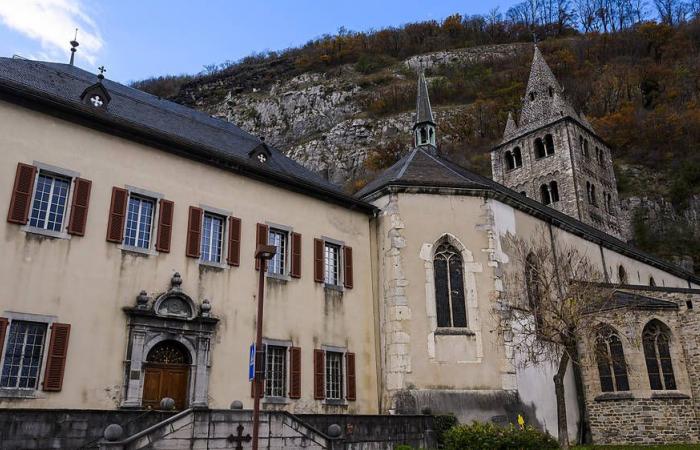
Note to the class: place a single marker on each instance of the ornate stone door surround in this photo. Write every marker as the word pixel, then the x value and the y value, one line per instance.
pixel 172 315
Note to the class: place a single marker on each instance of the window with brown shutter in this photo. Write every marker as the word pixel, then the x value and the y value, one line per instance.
pixel 294 372
pixel 3 331
pixel 194 232
pixel 117 213
pixel 165 225
pixel 56 357
pixel 350 364
pixel 233 258
pixel 21 194
pixel 79 207
pixel 318 260
pixel 348 267
pixel 319 374
pixel 295 271
pixel 261 231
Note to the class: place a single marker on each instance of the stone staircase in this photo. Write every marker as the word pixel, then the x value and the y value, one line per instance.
pixel 208 429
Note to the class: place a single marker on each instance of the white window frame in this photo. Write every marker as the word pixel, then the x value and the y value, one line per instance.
pixel 36 392
pixel 343 400
pixel 147 195
pixel 340 282
pixel 287 367
pixel 50 170
pixel 287 250
pixel 224 215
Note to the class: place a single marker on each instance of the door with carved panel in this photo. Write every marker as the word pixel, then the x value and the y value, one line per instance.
pixel 166 375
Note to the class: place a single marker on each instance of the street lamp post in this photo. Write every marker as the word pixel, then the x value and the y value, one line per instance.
pixel 263 253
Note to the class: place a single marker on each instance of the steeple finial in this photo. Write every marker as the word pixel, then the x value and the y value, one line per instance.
pixel 101 75
pixel 424 124
pixel 74 47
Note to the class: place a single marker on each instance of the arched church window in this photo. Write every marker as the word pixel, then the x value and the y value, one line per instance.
pixel 584 148
pixel 594 198
pixel 656 340
pixel 549 144
pixel 539 148
pixel 622 275
pixel 449 287
pixel 517 157
pixel 544 194
pixel 423 136
pixel 534 288
pixel 610 357
pixel 554 191
pixel 652 282
pixel 510 162
pixel 168 352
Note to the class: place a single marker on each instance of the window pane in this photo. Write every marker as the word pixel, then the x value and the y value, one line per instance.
pixel 652 363
pixel 459 311
pixel 332 264
pixel 50 197
pixel 212 237
pixel 665 360
pixel 139 222
pixel 618 363
pixel 334 375
pixel 442 296
pixel 603 360
pixel 23 353
pixel 277 264
pixel 275 371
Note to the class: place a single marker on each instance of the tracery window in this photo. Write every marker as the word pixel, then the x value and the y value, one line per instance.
pixel 449 287
pixel 610 357
pixel 656 340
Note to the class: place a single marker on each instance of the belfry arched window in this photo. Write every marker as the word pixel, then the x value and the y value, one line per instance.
pixel 539 148
pixel 549 144
pixel 510 162
pixel 449 287
pixel 656 340
pixel 517 157
pixel 549 193
pixel 610 358
pixel 554 191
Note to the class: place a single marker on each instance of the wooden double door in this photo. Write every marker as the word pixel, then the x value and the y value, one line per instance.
pixel 165 380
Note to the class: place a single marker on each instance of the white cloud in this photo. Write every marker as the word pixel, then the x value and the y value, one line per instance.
pixel 52 23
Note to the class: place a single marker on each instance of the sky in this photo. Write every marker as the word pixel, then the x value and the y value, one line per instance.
pixel 138 39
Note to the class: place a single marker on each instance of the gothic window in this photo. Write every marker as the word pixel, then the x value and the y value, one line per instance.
pixel 510 162
pixel 656 340
pixel 517 157
pixel 652 282
pixel 554 191
pixel 622 275
pixel 449 287
pixel 534 288
pixel 610 357
pixel 549 144
pixel 168 352
pixel 539 148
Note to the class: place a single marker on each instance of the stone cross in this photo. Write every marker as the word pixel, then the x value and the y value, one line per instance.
pixel 239 439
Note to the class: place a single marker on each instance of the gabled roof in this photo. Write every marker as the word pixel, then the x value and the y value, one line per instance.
pixel 424 113
pixel 56 89
pixel 624 299
pixel 425 171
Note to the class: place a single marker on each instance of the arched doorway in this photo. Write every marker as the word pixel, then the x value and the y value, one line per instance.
pixel 167 371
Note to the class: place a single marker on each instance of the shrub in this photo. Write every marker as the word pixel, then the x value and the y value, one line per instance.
pixel 488 436
pixel 443 424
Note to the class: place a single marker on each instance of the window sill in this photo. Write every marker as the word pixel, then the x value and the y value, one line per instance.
pixel 276 400
pixel 668 395
pixel 20 393
pixel 333 287
pixel 212 265
pixel 138 250
pixel 47 233
pixel 335 402
pixel 445 331
pixel 614 396
pixel 277 277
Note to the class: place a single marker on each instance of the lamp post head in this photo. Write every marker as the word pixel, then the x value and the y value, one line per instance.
pixel 265 252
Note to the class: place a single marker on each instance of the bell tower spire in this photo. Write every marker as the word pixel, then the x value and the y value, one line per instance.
pixel 424 125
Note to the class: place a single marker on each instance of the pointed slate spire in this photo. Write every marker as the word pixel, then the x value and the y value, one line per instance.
pixel 511 127
pixel 424 113
pixel 541 76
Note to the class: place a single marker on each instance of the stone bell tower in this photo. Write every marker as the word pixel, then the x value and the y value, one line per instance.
pixel 553 155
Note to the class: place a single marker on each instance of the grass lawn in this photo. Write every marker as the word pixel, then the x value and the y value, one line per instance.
pixel 640 447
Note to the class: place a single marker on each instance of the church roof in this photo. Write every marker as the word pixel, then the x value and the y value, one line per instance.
pixel 56 88
pixel 423 170
pixel 424 113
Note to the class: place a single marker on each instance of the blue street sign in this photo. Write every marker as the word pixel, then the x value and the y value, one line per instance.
pixel 251 363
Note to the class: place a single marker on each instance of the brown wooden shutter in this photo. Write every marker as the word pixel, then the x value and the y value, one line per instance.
pixel 165 225
pixel 318 260
pixel 319 374
pixel 350 364
pixel 233 258
pixel 194 232
pixel 79 207
pixel 56 358
pixel 3 330
pixel 21 194
pixel 294 372
pixel 295 270
pixel 117 213
pixel 347 251
pixel 261 231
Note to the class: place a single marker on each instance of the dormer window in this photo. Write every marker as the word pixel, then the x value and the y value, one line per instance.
pixel 96 96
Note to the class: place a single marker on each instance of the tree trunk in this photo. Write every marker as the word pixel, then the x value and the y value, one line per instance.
pixel 561 402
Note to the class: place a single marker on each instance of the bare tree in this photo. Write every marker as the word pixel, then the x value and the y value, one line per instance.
pixel 551 290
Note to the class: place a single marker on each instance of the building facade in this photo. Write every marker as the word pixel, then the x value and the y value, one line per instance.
pixel 130 274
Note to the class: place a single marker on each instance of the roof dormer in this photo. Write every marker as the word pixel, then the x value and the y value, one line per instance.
pixel 96 96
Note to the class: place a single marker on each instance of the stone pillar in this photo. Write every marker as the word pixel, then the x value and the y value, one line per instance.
pixel 200 397
pixel 132 398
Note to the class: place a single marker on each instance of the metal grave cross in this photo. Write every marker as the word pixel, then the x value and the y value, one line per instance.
pixel 239 439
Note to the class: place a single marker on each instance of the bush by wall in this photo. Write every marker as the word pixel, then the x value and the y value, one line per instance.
pixel 487 436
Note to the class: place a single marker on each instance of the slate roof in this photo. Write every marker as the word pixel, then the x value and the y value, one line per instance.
pixel 623 299
pixel 424 113
pixel 59 87
pixel 424 168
